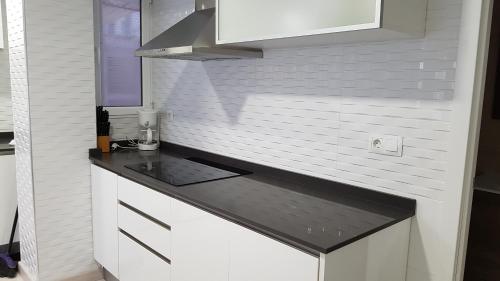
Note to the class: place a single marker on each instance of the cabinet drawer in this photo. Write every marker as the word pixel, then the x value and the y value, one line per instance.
pixel 136 262
pixel 146 200
pixel 148 230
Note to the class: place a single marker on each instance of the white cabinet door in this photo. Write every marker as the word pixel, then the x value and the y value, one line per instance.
pixel 254 257
pixel 104 218
pixel 243 20
pixel 200 246
pixel 139 263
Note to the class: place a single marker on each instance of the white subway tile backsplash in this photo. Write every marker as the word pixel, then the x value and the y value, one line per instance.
pixel 62 106
pixel 311 110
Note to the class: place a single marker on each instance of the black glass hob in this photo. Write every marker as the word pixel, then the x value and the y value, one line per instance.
pixel 181 172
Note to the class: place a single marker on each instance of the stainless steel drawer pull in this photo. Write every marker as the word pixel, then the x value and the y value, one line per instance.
pixel 145 246
pixel 160 223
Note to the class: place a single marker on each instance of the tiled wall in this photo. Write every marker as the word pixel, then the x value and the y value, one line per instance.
pixel 124 127
pixel 5 99
pixel 22 133
pixel 54 126
pixel 62 108
pixel 311 110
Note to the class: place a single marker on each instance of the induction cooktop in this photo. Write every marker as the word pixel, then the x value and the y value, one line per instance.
pixel 186 171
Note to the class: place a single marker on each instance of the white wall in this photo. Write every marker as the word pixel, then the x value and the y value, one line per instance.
pixel 54 116
pixel 311 110
pixel 5 99
pixel 124 126
pixel 22 134
pixel 62 108
pixel 7 163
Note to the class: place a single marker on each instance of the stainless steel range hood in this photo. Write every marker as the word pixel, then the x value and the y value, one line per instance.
pixel 193 38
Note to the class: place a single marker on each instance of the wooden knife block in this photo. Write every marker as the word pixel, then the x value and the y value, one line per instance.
pixel 103 143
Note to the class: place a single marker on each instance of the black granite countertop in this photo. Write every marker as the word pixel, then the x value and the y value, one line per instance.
pixel 311 214
pixel 5 148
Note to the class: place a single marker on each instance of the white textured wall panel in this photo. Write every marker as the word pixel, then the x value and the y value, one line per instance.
pixel 311 110
pixel 53 100
pixel 22 133
pixel 5 99
pixel 62 105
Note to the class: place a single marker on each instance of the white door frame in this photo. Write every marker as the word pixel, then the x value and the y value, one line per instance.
pixel 486 7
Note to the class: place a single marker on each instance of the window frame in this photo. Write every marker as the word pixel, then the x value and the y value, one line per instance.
pixel 147 100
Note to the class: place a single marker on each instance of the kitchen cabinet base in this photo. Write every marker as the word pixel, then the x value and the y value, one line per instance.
pixel 381 256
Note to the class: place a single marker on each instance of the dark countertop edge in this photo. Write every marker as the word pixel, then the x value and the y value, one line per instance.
pixel 5 138
pixel 4 152
pixel 266 231
pixel 7 135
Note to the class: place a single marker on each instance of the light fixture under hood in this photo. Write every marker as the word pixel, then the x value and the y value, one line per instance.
pixel 193 38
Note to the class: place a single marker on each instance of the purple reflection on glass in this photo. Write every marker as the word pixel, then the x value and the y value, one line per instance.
pixel 121 73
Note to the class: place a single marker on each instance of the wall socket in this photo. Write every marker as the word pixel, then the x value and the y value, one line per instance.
pixel 386 145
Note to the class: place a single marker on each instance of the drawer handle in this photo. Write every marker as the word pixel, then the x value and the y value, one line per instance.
pixel 160 223
pixel 145 246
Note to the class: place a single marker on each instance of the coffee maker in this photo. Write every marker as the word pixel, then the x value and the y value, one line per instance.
pixel 149 133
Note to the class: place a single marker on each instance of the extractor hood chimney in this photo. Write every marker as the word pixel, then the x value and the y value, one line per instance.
pixel 193 38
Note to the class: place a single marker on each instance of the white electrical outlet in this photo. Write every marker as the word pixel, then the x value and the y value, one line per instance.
pixel 386 145
pixel 170 115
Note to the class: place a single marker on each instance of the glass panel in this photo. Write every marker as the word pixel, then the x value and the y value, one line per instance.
pixel 121 73
pixel 242 20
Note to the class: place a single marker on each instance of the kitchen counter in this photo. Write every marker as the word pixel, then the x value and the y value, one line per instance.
pixel 311 214
pixel 5 148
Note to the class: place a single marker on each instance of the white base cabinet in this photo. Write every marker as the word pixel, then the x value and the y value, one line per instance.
pixel 256 257
pixel 104 218
pixel 382 256
pixel 206 247
pixel 200 244
pixel 141 234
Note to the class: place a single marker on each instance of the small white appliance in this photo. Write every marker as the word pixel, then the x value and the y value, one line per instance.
pixel 149 136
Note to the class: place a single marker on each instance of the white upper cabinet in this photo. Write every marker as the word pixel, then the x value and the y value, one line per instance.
pixel 288 23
